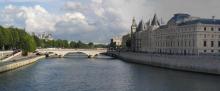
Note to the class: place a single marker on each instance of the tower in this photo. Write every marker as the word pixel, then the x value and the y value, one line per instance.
pixel 133 30
pixel 133 26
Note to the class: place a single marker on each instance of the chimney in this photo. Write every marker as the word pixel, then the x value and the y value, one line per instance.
pixel 213 18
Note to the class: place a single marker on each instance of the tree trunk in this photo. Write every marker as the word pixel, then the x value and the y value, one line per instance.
pixel 3 47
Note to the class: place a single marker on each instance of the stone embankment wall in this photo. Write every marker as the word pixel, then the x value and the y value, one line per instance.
pixel 13 65
pixel 204 64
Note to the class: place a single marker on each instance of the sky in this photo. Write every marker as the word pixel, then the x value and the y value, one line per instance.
pixel 95 20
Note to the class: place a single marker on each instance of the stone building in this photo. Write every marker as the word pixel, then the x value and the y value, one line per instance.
pixel 183 34
pixel 115 43
pixel 125 44
pixel 45 36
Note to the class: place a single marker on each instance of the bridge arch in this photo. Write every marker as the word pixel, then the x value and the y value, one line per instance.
pixel 62 53
pixel 88 53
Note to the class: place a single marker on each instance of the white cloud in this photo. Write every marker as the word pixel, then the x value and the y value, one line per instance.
pixel 96 6
pixel 37 19
pixel 74 16
pixel 97 1
pixel 73 23
pixel 74 6
pixel 33 19
pixel 107 17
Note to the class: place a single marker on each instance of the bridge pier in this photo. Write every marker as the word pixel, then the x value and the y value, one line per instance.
pixel 46 55
pixel 91 56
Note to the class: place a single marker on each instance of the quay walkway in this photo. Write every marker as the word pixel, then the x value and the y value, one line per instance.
pixel 18 61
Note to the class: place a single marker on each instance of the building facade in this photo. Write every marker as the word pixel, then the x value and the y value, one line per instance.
pixel 126 39
pixel 183 34
pixel 45 36
pixel 115 43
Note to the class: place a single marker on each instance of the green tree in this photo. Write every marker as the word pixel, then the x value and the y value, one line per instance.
pixel 72 44
pixel 91 45
pixel 38 41
pixel 15 39
pixel 28 44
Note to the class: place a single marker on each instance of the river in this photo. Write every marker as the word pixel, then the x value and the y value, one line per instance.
pixel 76 72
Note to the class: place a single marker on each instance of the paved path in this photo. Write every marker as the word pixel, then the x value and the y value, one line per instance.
pixel 4 54
pixel 18 58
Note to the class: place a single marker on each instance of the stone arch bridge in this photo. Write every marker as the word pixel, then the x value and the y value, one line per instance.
pixel 62 52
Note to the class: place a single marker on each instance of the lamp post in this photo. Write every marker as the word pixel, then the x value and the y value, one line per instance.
pixel 2 54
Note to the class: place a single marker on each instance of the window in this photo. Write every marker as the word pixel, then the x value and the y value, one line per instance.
pixel 204 44
pixel 218 43
pixel 218 29
pixel 212 43
pixel 212 29
pixel 212 50
pixel 193 43
pixel 204 50
pixel 171 43
pixel 205 28
pixel 189 43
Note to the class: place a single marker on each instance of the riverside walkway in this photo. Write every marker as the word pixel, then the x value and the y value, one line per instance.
pixel 18 61
pixel 4 54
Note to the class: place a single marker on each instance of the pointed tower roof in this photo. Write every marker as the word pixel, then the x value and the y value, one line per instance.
pixel 155 21
pixel 140 26
pixel 134 22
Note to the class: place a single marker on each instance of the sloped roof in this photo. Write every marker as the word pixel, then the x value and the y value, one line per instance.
pixel 201 21
pixel 140 26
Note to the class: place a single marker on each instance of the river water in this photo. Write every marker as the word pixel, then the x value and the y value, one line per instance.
pixel 76 72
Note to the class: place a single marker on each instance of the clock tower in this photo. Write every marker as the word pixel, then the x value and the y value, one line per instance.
pixel 133 26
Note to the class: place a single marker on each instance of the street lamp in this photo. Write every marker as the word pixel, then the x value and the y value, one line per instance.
pixel 2 54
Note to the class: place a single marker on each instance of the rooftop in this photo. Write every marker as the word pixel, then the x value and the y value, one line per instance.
pixel 201 21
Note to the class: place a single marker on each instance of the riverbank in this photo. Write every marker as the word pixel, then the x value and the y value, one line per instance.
pixel 203 64
pixel 6 66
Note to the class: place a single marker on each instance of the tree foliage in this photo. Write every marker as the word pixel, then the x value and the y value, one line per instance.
pixel 68 44
pixel 14 38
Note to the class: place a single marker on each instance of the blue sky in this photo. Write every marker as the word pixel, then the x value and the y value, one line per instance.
pixel 94 20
